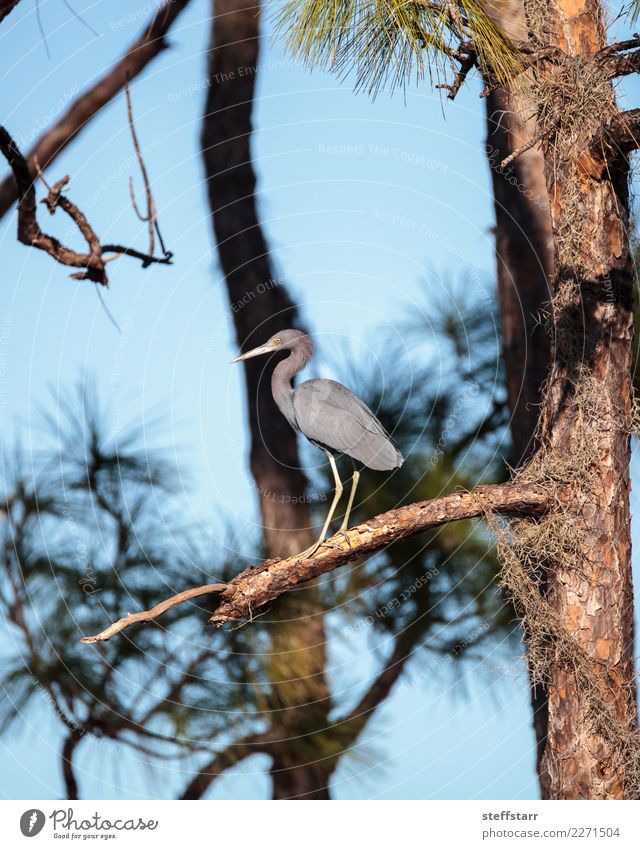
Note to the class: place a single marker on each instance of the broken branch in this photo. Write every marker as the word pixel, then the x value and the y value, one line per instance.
pixel 154 613
pixel 30 233
pixel 150 43
pixel 622 133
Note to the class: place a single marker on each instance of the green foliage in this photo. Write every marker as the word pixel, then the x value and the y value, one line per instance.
pixel 93 530
pixel 387 42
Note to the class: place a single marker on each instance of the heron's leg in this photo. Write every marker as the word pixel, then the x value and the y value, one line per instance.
pixel 352 495
pixel 308 552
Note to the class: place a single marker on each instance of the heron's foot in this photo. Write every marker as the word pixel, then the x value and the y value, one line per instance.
pixel 336 545
pixel 309 552
pixel 344 533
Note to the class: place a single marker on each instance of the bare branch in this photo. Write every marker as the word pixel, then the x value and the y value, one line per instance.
pixel 538 137
pixel 151 216
pixel 30 234
pixel 150 43
pixel 622 134
pixel 468 58
pixel 260 584
pixel 616 61
pixel 7 6
pixel 222 761
pixel 154 613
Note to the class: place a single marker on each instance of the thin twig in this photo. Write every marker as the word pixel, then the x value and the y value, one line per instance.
pixel 468 58
pixel 525 147
pixel 150 615
pixel 150 217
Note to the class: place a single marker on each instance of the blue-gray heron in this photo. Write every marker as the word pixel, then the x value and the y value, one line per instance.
pixel 329 415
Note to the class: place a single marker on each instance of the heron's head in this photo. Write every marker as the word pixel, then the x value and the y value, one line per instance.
pixel 285 340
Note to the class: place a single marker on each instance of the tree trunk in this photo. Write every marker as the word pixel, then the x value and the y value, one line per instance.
pixel 586 418
pixel 308 781
pixel 524 264
pixel 524 244
pixel 261 306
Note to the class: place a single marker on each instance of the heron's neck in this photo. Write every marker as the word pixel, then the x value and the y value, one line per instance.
pixel 282 376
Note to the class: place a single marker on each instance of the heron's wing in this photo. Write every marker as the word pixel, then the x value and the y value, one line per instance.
pixel 331 416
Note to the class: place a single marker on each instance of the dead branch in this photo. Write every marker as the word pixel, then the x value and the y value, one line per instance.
pixel 7 6
pixel 622 66
pixel 537 138
pixel 622 134
pixel 154 613
pixel 468 58
pixel 260 584
pixel 615 59
pixel 149 44
pixel 30 233
pixel 151 217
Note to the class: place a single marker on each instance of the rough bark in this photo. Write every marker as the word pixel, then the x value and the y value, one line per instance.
pixel 151 42
pixel 592 284
pixel 524 263
pixel 261 306
pixel 268 580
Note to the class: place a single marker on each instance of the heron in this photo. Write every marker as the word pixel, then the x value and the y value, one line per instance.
pixel 330 416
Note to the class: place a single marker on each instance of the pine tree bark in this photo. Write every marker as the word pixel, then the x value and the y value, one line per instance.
pixel 588 407
pixel 260 307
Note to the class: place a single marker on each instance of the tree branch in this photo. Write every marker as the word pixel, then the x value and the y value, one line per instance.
pixel 154 613
pixel 616 61
pixel 7 6
pixel 30 234
pixel 468 58
pixel 622 133
pixel 222 761
pixel 150 43
pixel 66 758
pixel 270 579
pixel 260 584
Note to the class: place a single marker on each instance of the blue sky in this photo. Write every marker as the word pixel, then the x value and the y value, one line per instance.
pixel 362 203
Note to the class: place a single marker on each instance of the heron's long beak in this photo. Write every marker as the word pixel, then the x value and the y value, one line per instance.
pixel 255 352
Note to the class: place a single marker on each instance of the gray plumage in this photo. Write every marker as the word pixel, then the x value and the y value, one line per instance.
pixel 332 417
pixel 328 414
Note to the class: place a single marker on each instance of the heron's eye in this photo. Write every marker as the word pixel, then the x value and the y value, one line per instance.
pixel 277 340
